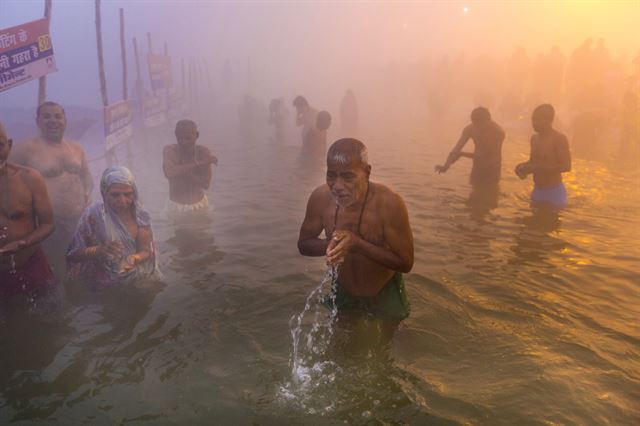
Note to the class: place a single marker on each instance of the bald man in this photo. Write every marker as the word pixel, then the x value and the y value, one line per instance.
pixel 26 219
pixel 62 163
pixel 549 158
pixel 367 232
pixel 187 166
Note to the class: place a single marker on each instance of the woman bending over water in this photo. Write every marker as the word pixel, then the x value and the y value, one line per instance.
pixel 113 242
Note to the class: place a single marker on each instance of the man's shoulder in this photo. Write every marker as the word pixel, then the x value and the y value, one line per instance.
pixel 201 149
pixel 170 149
pixel 560 137
pixel 386 194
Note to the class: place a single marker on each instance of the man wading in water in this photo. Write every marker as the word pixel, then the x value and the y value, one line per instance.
pixel 187 166
pixel 26 219
pixel 369 236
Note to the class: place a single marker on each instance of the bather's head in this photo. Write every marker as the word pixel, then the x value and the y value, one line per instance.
pixel 542 118
pixel 348 171
pixel 118 189
pixel 52 121
pixel 186 133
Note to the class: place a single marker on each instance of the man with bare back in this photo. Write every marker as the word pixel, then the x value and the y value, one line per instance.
pixel 63 165
pixel 549 158
pixel 26 219
pixel 187 166
pixel 367 233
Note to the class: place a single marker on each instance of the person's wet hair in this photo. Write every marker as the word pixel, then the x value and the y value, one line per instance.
pixel 480 115
pixel 48 104
pixel 300 101
pixel 323 120
pixel 344 150
pixel 545 111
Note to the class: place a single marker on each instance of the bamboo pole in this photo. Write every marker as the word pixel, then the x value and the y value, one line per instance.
pixel 140 93
pixel 109 154
pixel 125 96
pixel 42 81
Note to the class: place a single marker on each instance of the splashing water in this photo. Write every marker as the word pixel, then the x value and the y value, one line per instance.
pixel 310 369
pixel 12 259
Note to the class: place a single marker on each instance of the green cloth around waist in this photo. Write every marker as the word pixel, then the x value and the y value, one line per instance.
pixel 390 303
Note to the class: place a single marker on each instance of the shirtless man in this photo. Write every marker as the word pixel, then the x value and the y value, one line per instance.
pixel 26 219
pixel 187 166
pixel 306 116
pixel 549 158
pixel 367 233
pixel 487 137
pixel 63 165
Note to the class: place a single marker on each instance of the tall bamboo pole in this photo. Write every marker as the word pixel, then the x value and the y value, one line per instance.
pixel 103 81
pixel 42 81
pixel 125 96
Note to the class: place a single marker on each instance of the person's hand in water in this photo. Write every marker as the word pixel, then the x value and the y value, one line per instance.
pixel 13 247
pixel 523 170
pixel 130 262
pixel 113 249
pixel 342 241
pixel 452 158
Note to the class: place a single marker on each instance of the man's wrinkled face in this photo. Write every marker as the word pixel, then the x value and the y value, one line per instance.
pixel 347 179
pixel 186 136
pixel 52 122
pixel 120 197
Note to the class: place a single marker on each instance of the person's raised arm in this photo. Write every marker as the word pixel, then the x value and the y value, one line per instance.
pixel 202 174
pixel 456 152
pixel 397 254
pixel 309 243
pixel 172 168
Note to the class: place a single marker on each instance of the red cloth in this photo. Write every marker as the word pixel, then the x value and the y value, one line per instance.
pixel 34 277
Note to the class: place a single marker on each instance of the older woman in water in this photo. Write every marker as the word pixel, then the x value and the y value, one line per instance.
pixel 113 242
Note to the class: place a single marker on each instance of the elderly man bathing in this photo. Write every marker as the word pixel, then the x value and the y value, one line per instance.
pixel 367 233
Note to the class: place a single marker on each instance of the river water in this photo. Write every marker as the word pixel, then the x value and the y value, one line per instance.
pixel 518 317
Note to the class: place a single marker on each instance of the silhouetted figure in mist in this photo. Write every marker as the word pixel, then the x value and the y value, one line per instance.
pixel 314 142
pixel 554 75
pixel 487 138
pixel 548 159
pixel 63 164
pixel 305 115
pixel 349 115
pixel 252 119
pixel 586 132
pixel 630 130
pixel 187 166
pixel 278 116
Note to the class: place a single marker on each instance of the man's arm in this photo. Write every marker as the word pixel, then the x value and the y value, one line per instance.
pixel 42 211
pixel 398 236
pixel 308 242
pixel 522 169
pixel 202 174
pixel 85 174
pixel 170 166
pixel 456 152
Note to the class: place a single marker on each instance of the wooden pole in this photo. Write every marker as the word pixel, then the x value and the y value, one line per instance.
pixel 182 66
pixel 125 96
pixel 42 81
pixel 140 93
pixel 123 51
pixel 103 81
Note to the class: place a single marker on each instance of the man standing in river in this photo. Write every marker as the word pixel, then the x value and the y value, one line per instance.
pixel 26 219
pixel 368 235
pixel 548 159
pixel 63 165
pixel 187 166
